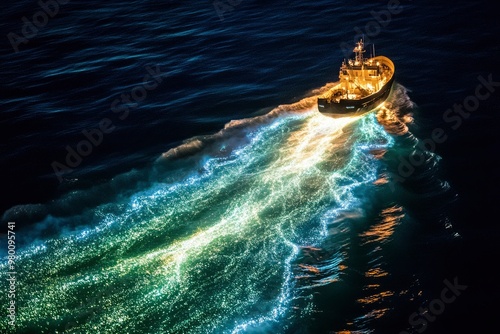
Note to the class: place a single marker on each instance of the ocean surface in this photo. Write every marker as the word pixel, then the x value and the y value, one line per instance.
pixel 165 169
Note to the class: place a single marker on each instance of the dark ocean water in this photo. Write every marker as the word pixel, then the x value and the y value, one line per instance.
pixel 217 199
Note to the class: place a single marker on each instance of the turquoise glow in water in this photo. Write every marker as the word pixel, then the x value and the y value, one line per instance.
pixel 213 249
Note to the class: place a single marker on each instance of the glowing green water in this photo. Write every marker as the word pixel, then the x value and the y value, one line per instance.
pixel 212 252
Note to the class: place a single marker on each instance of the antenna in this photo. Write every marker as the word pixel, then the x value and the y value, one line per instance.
pixel 373 48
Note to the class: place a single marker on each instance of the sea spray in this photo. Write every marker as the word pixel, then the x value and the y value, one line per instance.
pixel 213 248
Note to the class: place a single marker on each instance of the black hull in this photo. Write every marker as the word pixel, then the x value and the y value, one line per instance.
pixel 345 108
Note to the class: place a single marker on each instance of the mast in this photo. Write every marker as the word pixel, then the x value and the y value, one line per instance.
pixel 358 51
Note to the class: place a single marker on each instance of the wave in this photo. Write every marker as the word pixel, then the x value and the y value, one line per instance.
pixel 227 230
pixel 196 144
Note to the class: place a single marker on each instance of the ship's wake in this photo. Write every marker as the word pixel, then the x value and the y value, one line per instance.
pixel 211 243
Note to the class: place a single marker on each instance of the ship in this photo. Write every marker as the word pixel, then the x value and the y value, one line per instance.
pixel 364 84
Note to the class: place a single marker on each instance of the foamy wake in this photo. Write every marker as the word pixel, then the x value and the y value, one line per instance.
pixel 210 250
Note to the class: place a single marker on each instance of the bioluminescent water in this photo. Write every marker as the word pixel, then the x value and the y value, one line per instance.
pixel 215 244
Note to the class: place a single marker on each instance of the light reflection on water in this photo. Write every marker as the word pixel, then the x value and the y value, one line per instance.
pixel 215 251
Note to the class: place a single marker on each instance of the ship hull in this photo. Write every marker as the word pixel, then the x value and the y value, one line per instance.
pixel 346 108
